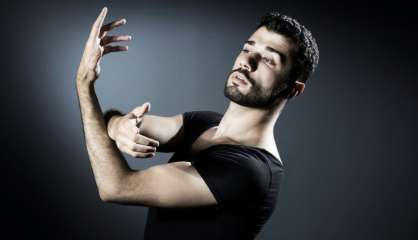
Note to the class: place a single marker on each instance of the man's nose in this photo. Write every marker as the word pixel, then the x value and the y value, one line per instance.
pixel 249 61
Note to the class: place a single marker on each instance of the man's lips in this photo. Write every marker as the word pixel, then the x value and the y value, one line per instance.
pixel 240 79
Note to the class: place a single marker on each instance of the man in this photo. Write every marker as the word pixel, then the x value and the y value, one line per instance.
pixel 223 179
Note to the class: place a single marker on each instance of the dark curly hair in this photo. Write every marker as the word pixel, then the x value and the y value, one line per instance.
pixel 306 57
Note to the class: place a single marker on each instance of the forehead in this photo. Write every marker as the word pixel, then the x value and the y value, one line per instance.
pixel 264 37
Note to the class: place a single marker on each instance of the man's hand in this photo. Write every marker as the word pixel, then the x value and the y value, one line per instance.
pixel 125 131
pixel 97 46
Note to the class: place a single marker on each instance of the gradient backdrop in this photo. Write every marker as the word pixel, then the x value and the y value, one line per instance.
pixel 348 142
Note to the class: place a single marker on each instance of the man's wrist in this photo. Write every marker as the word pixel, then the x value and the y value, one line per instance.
pixel 83 85
pixel 111 126
pixel 111 118
pixel 85 78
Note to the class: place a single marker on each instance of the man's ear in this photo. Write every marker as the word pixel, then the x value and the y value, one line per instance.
pixel 297 89
pixel 299 86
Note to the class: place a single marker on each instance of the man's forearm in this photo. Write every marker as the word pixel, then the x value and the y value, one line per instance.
pixel 109 166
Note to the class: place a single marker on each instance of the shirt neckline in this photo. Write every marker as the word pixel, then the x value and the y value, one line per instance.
pixel 243 146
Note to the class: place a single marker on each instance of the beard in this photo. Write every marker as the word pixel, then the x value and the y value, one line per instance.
pixel 257 97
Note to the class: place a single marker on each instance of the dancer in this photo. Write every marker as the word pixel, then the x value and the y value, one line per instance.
pixel 223 180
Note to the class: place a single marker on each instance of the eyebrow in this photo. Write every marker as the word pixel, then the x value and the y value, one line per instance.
pixel 270 49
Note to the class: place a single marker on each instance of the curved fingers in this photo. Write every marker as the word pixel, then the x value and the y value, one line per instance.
pixel 109 26
pixel 109 49
pixel 141 139
pixel 132 153
pixel 115 38
pixel 132 146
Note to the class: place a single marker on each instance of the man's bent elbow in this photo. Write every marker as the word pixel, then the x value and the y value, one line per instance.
pixel 109 194
pixel 105 197
pixel 119 195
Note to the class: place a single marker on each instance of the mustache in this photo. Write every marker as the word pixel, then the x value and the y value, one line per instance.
pixel 245 73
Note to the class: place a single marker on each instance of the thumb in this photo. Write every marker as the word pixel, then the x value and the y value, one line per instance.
pixel 141 110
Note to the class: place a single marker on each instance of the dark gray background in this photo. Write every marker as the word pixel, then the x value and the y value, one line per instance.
pixel 348 142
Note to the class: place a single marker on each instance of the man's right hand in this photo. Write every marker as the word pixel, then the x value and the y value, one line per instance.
pixel 125 131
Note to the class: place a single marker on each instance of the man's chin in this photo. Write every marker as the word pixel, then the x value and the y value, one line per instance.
pixel 234 95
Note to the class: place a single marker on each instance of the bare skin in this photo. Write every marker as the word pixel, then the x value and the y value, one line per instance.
pixel 127 134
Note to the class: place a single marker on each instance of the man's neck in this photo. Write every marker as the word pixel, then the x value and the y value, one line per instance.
pixel 248 126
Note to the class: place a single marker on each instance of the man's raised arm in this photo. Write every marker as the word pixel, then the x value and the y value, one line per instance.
pixel 171 185
pixel 109 166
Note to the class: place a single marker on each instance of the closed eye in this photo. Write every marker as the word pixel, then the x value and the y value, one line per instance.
pixel 269 60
